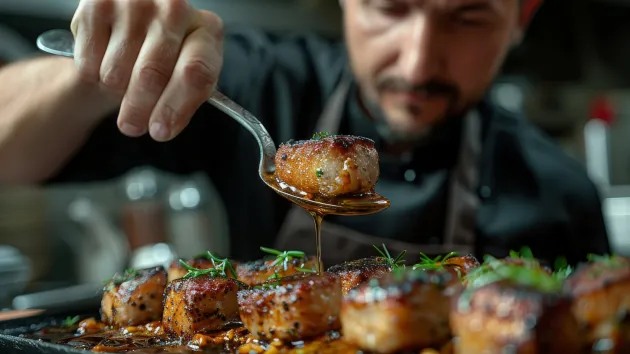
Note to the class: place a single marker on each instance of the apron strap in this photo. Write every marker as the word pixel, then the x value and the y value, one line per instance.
pixel 461 218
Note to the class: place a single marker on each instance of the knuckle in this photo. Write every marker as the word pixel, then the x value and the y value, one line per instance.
pixel 176 12
pixel 114 78
pixel 87 71
pixel 200 74
pixel 102 7
pixel 153 76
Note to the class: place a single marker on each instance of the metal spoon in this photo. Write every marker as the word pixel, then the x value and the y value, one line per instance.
pixel 61 42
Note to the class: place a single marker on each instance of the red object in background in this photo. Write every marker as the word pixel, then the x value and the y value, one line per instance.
pixel 529 7
pixel 602 109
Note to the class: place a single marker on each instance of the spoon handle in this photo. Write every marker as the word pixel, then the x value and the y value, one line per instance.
pixel 252 124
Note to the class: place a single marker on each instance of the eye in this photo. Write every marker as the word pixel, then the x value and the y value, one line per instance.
pixel 390 7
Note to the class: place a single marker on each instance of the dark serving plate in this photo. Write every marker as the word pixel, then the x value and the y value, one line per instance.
pixel 12 334
pixel 14 338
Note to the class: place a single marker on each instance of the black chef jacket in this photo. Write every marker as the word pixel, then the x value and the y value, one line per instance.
pixel 531 192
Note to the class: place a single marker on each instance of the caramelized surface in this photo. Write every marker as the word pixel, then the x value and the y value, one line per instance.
pixel 298 307
pixel 404 310
pixel 503 317
pixel 356 273
pixel 136 300
pixel 200 304
pixel 259 271
pixel 330 166
pixel 601 292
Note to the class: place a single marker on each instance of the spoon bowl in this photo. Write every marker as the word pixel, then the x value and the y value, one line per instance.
pixel 61 42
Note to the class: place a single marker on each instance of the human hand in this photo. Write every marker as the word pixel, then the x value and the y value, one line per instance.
pixel 162 58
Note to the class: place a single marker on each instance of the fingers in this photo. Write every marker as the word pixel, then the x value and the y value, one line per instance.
pixel 152 70
pixel 124 45
pixel 91 27
pixel 160 58
pixel 194 78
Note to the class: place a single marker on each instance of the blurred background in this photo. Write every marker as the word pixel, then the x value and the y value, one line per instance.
pixel 570 77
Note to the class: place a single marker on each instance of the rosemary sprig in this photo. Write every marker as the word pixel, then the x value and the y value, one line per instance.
pixel 70 321
pixel 394 262
pixel 118 279
pixel 220 268
pixel 221 263
pixel 426 263
pixel 283 257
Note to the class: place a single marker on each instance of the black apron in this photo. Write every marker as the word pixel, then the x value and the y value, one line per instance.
pixel 340 243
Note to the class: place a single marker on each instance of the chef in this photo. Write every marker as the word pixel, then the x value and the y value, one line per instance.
pixel 461 173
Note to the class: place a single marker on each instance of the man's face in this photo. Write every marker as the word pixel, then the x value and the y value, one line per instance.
pixel 422 60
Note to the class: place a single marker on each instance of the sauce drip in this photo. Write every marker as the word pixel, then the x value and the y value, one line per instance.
pixel 318 207
pixel 317 219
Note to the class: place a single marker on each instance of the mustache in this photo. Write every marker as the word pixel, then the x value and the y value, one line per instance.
pixel 431 87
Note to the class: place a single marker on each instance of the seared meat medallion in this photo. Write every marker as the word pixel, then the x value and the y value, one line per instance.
pixel 292 308
pixel 134 298
pixel 404 310
pixel 329 165
pixel 200 304
pixel 355 273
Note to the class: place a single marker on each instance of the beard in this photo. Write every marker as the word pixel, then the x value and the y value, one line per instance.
pixel 394 134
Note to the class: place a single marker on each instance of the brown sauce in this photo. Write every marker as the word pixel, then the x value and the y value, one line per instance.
pixel 149 339
pixel 360 204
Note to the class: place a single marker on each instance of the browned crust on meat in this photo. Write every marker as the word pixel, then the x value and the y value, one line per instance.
pixel 504 316
pixel 357 272
pixel 292 308
pixel 259 271
pixel 199 304
pixel 597 276
pixel 462 264
pixel 297 162
pixel 405 310
pixel 601 300
pixel 135 301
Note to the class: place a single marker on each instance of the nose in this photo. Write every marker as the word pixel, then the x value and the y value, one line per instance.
pixel 420 53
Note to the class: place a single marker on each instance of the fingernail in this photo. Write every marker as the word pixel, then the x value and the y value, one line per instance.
pixel 159 131
pixel 131 130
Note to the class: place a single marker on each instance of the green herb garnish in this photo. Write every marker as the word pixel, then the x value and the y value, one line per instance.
pixel 118 279
pixel 562 269
pixel 319 172
pixel 320 135
pixel 70 321
pixel 220 267
pixel 305 270
pixel 283 257
pixel 525 253
pixel 394 262
pixel 426 263
pixel 612 261
pixel 494 270
pixel 221 263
